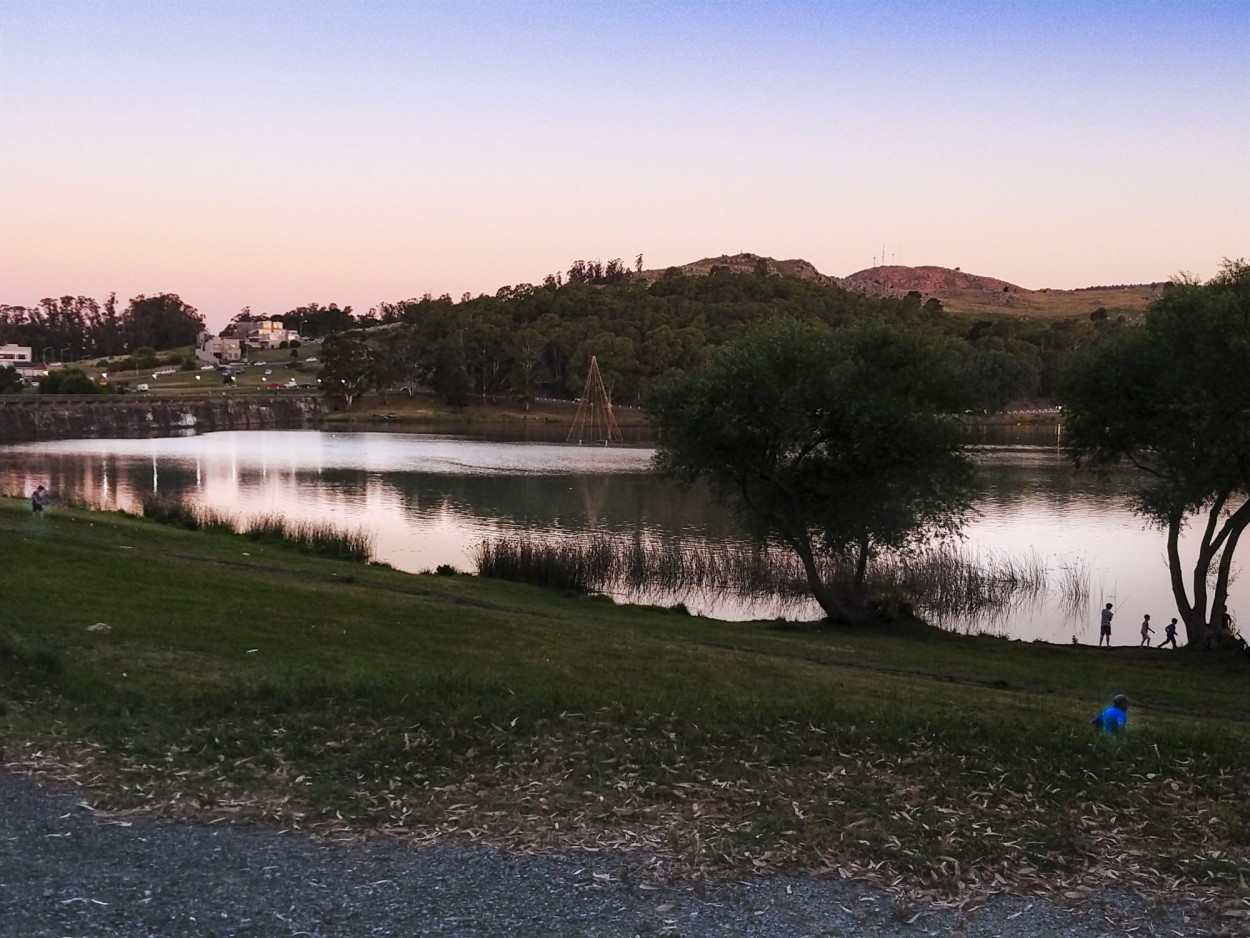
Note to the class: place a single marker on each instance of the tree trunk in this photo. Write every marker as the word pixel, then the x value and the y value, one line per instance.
pixel 1201 624
pixel 1193 620
pixel 835 608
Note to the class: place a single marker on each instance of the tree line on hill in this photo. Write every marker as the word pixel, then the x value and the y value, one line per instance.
pixel 72 328
pixel 532 341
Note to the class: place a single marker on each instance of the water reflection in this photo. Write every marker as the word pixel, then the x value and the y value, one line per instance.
pixel 430 499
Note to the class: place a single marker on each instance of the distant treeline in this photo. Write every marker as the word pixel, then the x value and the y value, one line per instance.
pixel 72 328
pixel 535 341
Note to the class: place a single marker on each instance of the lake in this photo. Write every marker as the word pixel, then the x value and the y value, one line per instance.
pixel 431 499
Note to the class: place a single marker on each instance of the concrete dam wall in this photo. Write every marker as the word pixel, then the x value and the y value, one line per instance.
pixel 25 418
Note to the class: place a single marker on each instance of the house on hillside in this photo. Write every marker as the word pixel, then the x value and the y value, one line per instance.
pixel 265 333
pixel 13 355
pixel 21 357
pixel 218 350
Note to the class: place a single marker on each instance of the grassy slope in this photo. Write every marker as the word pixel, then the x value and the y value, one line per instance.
pixel 1129 301
pixel 236 679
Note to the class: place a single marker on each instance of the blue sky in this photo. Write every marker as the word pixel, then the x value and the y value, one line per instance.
pixel 273 154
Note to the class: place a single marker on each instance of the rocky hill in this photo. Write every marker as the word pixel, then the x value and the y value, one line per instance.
pixel 959 292
pixel 893 279
pixel 747 263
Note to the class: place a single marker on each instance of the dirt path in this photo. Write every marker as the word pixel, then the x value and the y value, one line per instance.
pixel 67 871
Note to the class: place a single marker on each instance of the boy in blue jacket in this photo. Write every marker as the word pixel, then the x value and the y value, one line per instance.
pixel 1114 719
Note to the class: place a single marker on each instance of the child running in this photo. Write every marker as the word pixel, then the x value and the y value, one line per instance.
pixel 1169 634
pixel 1146 631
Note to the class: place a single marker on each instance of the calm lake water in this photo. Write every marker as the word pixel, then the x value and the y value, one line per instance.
pixel 432 499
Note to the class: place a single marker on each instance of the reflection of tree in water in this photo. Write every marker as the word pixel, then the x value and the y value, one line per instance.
pixel 602 502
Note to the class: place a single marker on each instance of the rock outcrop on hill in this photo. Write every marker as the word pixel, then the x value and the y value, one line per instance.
pixel 893 279
pixel 746 263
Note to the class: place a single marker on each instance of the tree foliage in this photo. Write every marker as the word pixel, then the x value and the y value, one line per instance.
pixel 163 321
pixel 1172 399
pixel 348 365
pixel 68 381
pixel 10 380
pixel 826 440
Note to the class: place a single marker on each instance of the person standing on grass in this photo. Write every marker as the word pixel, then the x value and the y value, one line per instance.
pixel 1169 634
pixel 1104 627
pixel 1114 719
pixel 1146 632
pixel 37 499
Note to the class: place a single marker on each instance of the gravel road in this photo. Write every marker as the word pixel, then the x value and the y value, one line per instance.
pixel 67 872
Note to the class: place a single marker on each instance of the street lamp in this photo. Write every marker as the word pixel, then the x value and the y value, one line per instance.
pixel 47 353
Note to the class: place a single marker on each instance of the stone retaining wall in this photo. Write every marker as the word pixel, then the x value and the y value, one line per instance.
pixel 61 417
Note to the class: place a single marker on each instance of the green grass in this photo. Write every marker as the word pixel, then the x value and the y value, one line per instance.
pixel 245 679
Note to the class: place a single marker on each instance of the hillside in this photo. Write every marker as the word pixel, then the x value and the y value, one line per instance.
pixel 746 263
pixel 959 292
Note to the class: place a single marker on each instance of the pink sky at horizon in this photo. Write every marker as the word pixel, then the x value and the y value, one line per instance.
pixel 272 155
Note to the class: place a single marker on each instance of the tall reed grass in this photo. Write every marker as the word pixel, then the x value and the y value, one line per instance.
pixel 179 514
pixel 942 581
pixel 322 539
pixel 313 537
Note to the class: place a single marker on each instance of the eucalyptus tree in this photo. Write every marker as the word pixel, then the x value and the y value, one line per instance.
pixel 348 366
pixel 1171 398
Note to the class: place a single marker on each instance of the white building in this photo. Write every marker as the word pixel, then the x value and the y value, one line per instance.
pixel 265 333
pixel 14 355
pixel 21 357
pixel 215 350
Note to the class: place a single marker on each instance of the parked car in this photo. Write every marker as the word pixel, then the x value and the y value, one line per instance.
pixel 142 387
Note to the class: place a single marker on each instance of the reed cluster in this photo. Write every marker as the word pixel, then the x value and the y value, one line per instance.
pixel 313 537
pixel 942 581
pixel 179 514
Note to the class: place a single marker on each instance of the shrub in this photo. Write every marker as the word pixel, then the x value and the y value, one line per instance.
pixel 67 381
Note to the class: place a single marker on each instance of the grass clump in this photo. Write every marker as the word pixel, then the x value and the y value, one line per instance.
pixel 180 514
pixel 313 537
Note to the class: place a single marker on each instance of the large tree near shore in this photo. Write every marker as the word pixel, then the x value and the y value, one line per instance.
pixel 826 441
pixel 1172 398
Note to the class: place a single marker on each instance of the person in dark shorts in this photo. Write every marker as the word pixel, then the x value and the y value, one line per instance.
pixel 36 500
pixel 1104 626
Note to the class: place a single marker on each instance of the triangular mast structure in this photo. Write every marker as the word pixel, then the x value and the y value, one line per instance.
pixel 594 412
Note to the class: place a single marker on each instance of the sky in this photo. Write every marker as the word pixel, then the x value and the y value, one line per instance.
pixel 273 154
